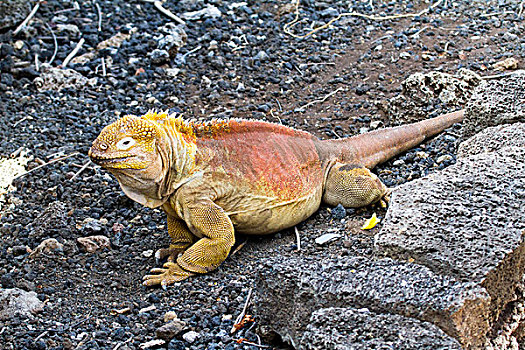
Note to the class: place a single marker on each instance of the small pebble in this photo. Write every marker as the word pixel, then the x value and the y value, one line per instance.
pixel 190 337
pixel 444 158
pixel 326 238
pixel 339 212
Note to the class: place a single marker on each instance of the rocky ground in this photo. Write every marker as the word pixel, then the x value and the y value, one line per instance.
pixel 230 59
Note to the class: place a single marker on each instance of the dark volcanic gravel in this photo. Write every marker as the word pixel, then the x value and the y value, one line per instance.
pixel 239 64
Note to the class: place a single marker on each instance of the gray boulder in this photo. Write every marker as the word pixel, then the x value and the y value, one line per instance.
pixel 421 91
pixel 466 222
pixel 493 139
pixel 499 102
pixel 349 328
pixel 16 301
pixel 289 290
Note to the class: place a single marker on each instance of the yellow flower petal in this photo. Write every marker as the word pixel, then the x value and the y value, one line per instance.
pixel 371 223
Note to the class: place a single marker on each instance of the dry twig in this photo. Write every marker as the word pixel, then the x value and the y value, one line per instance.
pixel 122 343
pixel 73 53
pixel 276 116
pixel 45 164
pixel 23 119
pixel 521 8
pixel 17 152
pixel 288 26
pixel 243 312
pixel 84 167
pixel 279 104
pixel 496 14
pixel 298 239
pixel 244 341
pixel 239 247
pixel 75 7
pixel 103 61
pixel 158 6
pixel 37 64
pixel 301 109
pixel 99 14
pixel 502 75
pixel 44 333
pixel 55 43
pixel 28 18
pixel 416 34
pixel 191 51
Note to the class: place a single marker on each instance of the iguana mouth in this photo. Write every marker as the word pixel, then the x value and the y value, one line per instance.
pixel 106 161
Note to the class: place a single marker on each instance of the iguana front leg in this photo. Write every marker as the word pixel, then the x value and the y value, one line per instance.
pixel 207 220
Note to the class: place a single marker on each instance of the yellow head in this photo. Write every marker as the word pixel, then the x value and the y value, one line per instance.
pixel 128 145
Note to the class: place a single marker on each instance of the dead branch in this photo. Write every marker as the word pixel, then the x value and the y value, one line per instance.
pixel 244 341
pixel 502 75
pixel 239 247
pixel 28 18
pixel 301 109
pixel 485 15
pixel 103 61
pixel 243 312
pixel 279 104
pixel 276 116
pixel 168 13
pixel 46 164
pixel 55 43
pixel 99 14
pixel 75 7
pixel 37 63
pixel 298 239
pixel 73 53
pixel 17 152
pixel 288 26
pixel 84 167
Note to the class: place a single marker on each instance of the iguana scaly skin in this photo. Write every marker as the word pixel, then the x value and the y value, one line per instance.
pixel 252 177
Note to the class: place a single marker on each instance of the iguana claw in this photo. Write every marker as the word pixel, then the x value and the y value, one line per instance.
pixel 170 274
pixel 385 201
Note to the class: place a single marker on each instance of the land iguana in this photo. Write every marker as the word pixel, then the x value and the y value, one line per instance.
pixel 224 176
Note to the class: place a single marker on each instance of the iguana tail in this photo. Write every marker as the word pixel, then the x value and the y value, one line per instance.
pixel 379 146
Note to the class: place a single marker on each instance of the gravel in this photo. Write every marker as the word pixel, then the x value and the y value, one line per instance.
pixel 233 60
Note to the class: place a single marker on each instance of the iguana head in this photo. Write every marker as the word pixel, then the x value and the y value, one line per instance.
pixel 145 160
pixel 127 145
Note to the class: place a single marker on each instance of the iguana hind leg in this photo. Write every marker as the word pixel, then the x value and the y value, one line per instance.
pixel 353 186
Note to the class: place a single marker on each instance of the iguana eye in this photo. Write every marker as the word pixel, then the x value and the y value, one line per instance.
pixel 125 143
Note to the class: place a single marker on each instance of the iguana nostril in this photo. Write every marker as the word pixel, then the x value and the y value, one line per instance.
pixel 103 146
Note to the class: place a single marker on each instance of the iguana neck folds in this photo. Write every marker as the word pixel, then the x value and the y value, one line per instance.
pixel 180 150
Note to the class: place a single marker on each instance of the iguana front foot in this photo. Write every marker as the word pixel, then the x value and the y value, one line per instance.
pixel 170 274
